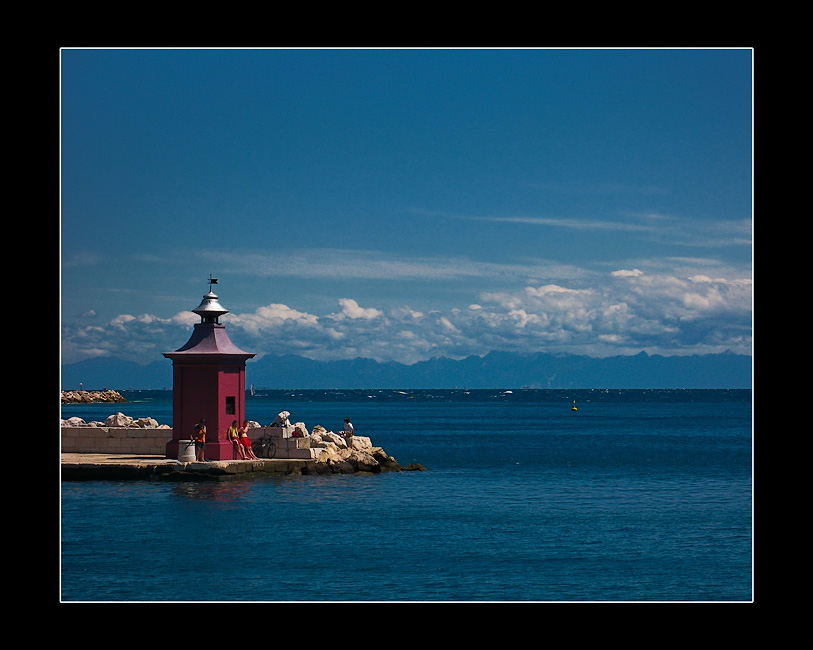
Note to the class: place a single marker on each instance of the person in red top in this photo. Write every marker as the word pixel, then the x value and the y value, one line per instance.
pixel 199 436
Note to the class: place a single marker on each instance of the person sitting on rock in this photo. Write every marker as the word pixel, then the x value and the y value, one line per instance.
pixel 348 433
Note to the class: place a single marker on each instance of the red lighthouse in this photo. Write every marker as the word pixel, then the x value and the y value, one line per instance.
pixel 208 382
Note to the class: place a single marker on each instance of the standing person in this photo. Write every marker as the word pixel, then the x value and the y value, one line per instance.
pixel 245 442
pixel 199 436
pixel 233 435
pixel 348 433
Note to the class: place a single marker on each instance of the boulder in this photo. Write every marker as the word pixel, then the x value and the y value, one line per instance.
pixel 119 420
pixel 329 454
pixel 282 420
pixel 362 443
pixel 336 439
pixel 364 462
pixel 413 467
pixel 385 461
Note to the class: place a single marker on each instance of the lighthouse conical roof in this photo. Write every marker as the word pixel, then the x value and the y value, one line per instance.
pixel 209 336
pixel 209 339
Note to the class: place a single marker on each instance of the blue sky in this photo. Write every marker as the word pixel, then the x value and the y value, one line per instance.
pixel 405 204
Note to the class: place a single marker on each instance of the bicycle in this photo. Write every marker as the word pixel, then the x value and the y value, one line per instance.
pixel 265 447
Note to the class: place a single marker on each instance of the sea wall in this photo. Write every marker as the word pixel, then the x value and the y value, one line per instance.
pixel 115 440
pixel 118 434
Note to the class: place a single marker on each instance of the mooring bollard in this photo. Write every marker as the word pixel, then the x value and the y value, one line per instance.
pixel 186 451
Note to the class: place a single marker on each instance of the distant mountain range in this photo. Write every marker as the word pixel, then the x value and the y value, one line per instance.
pixel 494 370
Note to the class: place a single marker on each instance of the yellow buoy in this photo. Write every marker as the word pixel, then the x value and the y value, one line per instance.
pixel 573 408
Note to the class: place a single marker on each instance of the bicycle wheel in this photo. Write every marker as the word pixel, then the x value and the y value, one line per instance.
pixel 270 449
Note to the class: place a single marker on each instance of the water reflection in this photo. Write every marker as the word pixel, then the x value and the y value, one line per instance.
pixel 214 491
pixel 338 488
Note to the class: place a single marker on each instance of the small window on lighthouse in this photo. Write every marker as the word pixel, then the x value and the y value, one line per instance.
pixel 230 406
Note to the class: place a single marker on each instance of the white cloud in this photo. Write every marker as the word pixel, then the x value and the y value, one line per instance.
pixel 271 317
pixel 447 325
pixel 376 265
pixel 572 224
pixel 185 318
pixel 351 309
pixel 624 273
pixel 627 311
pixel 652 226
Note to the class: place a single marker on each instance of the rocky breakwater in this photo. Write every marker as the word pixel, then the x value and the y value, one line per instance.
pixel 335 453
pixel 91 396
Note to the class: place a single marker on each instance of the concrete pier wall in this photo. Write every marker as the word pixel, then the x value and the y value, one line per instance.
pixel 151 441
pixel 287 446
pixel 115 440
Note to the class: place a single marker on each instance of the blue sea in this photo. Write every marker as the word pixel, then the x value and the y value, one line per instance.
pixel 637 496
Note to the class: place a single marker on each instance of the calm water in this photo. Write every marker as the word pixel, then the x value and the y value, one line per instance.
pixel 637 496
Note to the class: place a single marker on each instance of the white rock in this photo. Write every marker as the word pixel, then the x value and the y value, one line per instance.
pixel 366 461
pixel 282 419
pixel 119 420
pixel 337 440
pixel 330 455
pixel 362 443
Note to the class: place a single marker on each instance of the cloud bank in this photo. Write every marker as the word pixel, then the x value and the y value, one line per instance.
pixel 624 312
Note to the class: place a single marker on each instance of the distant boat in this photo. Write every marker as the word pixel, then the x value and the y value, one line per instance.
pixel 573 408
pixel 251 390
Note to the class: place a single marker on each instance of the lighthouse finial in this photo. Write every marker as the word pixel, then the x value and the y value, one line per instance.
pixel 210 308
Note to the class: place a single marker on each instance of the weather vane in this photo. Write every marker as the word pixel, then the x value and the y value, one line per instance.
pixel 211 282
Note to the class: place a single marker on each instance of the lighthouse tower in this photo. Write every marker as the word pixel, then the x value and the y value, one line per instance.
pixel 208 382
